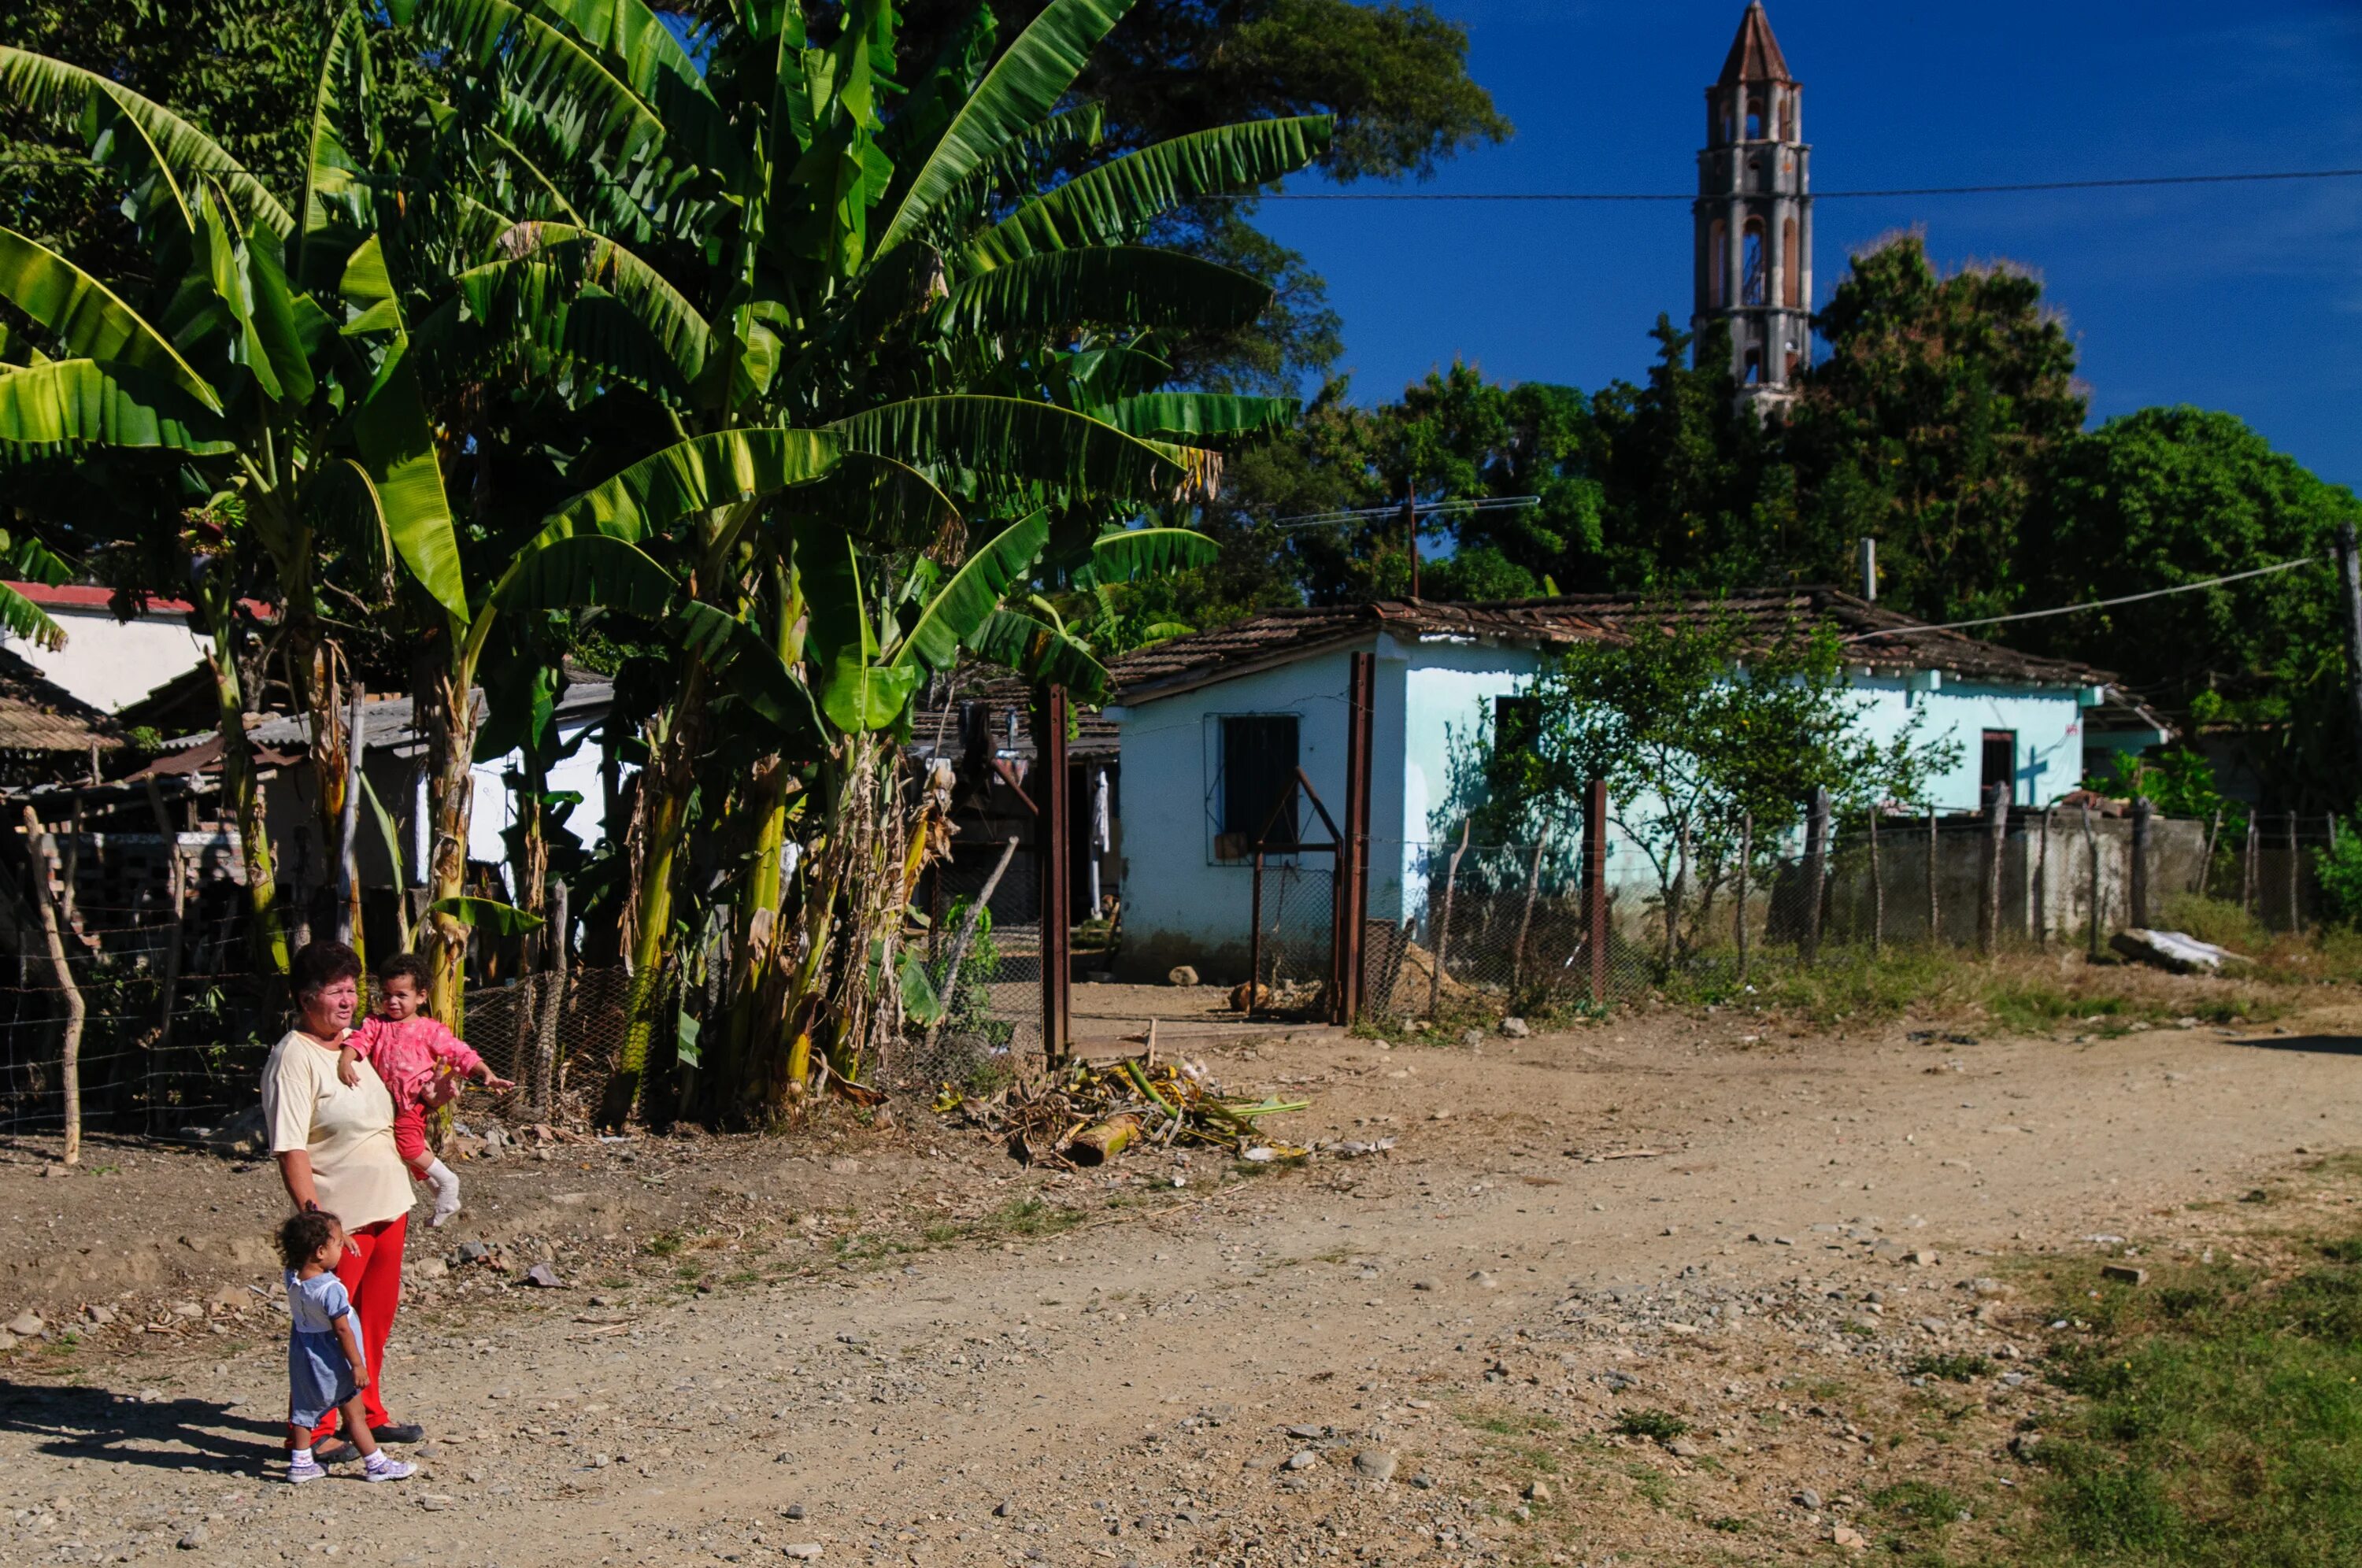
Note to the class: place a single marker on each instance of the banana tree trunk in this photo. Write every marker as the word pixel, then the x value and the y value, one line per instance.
pixel 266 928
pixel 450 799
pixel 755 931
pixel 662 825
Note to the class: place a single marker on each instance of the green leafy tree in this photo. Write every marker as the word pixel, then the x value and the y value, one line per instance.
pixel 1697 722
pixel 1928 425
pixel 2170 496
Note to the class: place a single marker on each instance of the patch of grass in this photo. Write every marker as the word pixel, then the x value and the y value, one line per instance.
pixel 1029 1217
pixel 1954 1367
pixel 1920 1503
pixel 1729 1524
pixel 1657 1425
pixel 2221 1421
pixel 1655 1486
pixel 662 1246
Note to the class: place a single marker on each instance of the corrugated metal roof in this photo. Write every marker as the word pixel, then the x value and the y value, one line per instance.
pixel 1280 636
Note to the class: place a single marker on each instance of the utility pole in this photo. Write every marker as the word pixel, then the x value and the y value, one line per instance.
pixel 2349 581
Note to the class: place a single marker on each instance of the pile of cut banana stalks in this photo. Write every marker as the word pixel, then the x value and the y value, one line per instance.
pixel 1088 1113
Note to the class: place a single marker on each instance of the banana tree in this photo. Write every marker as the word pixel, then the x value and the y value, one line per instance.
pixel 263 364
pixel 745 242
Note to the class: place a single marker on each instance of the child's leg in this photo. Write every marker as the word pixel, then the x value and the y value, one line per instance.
pixel 376 1464
pixel 357 1427
pixel 410 1142
pixel 300 1465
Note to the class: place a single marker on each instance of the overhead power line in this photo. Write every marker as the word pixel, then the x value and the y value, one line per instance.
pixel 1424 509
pixel 2094 604
pixel 2148 180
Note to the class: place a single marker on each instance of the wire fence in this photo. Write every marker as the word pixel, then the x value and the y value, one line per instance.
pixel 1488 929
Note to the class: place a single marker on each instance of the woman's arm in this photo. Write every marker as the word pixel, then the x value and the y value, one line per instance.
pixel 295 1170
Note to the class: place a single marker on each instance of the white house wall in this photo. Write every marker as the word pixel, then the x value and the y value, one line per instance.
pixel 107 662
pixel 1434 696
pixel 1181 906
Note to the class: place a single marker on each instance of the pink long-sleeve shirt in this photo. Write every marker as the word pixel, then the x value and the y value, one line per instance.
pixel 405 1055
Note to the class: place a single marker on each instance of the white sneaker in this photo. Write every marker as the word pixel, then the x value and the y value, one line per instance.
pixel 380 1468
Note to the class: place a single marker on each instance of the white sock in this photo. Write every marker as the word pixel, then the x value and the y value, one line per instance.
pixel 299 1456
pixel 447 1190
pixel 379 1460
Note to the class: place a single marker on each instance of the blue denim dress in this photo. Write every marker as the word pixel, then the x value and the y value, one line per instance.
pixel 319 1379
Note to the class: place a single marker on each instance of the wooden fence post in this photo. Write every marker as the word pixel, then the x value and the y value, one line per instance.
pixel 1935 907
pixel 553 1004
pixel 2142 811
pixel 1816 873
pixel 2247 880
pixel 1997 832
pixel 1595 885
pixel 1739 917
pixel 2296 915
pixel 70 1055
pixel 2206 860
pixel 2091 846
pixel 1443 936
pixel 1877 890
pixel 2042 880
pixel 1053 847
pixel 1525 921
pixel 950 983
pixel 169 992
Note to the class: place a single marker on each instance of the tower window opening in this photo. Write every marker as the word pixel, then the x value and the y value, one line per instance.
pixel 1755 367
pixel 1754 117
pixel 1755 282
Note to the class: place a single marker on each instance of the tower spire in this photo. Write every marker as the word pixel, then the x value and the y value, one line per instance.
pixel 1754 216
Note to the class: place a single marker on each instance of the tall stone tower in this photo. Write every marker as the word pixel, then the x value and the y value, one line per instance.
pixel 1754 218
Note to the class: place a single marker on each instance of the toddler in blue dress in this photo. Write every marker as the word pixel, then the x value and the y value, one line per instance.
pixel 325 1366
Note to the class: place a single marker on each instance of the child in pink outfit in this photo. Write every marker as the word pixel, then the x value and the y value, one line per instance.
pixel 422 1063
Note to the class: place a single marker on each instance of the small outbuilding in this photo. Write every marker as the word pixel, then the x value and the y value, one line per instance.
pixel 1214 726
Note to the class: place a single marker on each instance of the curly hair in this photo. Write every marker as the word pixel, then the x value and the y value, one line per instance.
pixel 301 1239
pixel 410 966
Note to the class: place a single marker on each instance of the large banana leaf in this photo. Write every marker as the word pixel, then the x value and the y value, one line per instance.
pixel 85 314
pixel 586 297
pixel 1013 438
pixel 491 914
pixel 67 405
pixel 749 669
pixel 184 155
pixel 1116 201
pixel 1119 285
pixel 397 443
pixel 962 606
pixel 568 89
pixel 584 570
pixel 29 621
pixel 1188 416
pixel 1146 552
pixel 856 693
pixel 639 50
pixel 887 502
pixel 1019 643
pixel 1024 84
pixel 329 218
pixel 697 475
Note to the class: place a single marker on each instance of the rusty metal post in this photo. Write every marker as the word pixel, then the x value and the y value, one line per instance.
pixel 1349 877
pixel 1051 850
pixel 1817 875
pixel 1746 854
pixel 1595 885
pixel 1997 838
pixel 1444 933
pixel 2295 916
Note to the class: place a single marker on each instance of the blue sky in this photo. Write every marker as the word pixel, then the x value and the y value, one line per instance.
pixel 2245 298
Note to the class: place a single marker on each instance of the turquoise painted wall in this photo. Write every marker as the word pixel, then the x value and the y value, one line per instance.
pixel 1183 906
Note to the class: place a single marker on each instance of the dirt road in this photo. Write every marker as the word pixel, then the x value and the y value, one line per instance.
pixel 1654 1291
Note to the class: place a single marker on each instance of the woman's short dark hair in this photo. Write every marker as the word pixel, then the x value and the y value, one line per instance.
pixel 301 1239
pixel 319 964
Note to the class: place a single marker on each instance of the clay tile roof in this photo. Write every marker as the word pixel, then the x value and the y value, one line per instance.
pixel 37 715
pixel 1876 639
pixel 1754 53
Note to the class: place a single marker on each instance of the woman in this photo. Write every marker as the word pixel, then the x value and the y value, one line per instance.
pixel 335 1146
